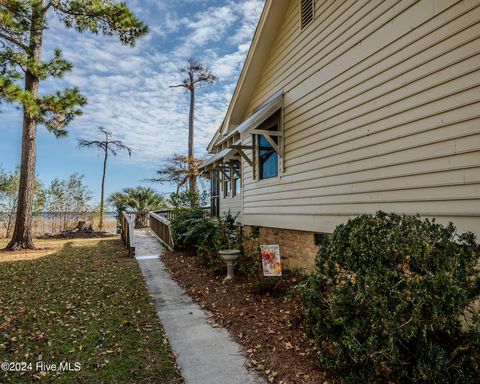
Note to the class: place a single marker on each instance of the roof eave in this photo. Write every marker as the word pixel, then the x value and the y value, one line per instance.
pixel 270 20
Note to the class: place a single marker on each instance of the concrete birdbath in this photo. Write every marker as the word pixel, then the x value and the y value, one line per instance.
pixel 229 256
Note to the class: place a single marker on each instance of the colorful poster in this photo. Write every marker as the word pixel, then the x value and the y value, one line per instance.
pixel 270 255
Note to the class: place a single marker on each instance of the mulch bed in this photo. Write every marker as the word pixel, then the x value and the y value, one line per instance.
pixel 271 328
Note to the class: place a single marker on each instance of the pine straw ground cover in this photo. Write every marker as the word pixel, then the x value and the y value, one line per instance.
pixel 84 301
pixel 271 329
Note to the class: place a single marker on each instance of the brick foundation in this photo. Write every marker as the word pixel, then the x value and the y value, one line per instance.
pixel 297 248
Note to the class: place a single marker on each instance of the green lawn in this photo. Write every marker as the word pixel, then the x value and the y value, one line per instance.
pixel 80 301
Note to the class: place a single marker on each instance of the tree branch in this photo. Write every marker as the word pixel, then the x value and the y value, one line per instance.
pixel 14 41
pixel 107 17
pixel 24 69
pixel 47 7
pixel 106 145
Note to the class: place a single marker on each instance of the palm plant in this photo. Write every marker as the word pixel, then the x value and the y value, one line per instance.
pixel 139 199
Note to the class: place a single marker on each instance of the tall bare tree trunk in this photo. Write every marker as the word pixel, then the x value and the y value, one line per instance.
pixel 102 203
pixel 192 185
pixel 22 235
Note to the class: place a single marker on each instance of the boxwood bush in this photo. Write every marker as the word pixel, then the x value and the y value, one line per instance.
pixel 391 300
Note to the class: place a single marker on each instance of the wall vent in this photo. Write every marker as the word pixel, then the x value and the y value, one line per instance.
pixel 307 12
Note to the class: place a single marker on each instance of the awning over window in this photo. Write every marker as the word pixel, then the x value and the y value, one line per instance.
pixel 263 112
pixel 217 158
pixel 221 157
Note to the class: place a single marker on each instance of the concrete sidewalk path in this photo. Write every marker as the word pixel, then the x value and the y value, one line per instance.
pixel 205 355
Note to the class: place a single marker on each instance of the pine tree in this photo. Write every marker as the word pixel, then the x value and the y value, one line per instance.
pixel 22 26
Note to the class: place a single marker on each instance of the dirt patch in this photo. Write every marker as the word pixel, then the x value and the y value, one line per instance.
pixel 77 235
pixel 6 256
pixel 45 247
pixel 270 327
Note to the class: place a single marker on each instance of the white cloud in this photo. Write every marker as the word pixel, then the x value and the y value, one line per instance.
pixel 227 66
pixel 209 25
pixel 128 88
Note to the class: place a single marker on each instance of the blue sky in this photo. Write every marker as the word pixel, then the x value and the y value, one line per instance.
pixel 128 89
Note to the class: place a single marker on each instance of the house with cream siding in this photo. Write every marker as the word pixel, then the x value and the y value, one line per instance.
pixel 350 107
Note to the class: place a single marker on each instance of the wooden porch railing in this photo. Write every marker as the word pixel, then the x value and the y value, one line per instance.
pixel 127 232
pixel 158 222
pixel 169 214
pixel 161 227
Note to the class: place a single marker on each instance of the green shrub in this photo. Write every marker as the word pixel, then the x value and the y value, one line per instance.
pixel 188 223
pixel 186 200
pixel 390 300
pixel 190 228
pixel 228 235
pixel 205 237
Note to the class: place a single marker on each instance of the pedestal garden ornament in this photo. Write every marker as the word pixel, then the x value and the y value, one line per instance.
pixel 230 256
pixel 229 240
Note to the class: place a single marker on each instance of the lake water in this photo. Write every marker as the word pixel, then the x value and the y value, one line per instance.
pixel 56 222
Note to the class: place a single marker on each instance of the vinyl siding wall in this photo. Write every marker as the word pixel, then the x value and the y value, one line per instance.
pixel 382 112
pixel 234 204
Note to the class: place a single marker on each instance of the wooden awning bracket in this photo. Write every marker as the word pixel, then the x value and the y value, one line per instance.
pixel 273 144
pixel 219 168
pixel 245 157
pixel 242 154
pixel 265 132
pixel 268 136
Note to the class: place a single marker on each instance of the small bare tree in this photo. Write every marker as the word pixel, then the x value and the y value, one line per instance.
pixel 107 145
pixel 197 75
pixel 178 170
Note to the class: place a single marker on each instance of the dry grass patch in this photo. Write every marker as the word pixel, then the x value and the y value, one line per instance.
pixel 43 248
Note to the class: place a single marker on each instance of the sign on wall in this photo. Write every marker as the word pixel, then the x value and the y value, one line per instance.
pixel 271 263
